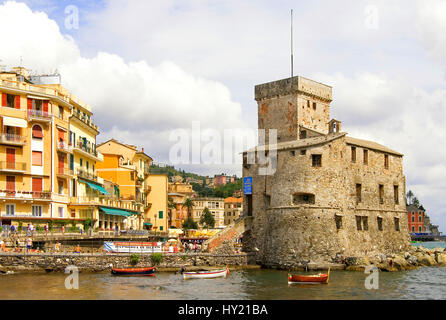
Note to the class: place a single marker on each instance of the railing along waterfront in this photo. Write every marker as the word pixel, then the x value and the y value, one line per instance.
pixel 12 166
pixel 12 138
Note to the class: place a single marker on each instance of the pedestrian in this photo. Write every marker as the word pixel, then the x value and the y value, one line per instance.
pixel 195 247
pixel 29 244
pixel 116 229
pixel 28 230
pixel 46 228
pixel 31 229
pixel 62 229
pixel 2 245
pixel 12 229
pixel 77 249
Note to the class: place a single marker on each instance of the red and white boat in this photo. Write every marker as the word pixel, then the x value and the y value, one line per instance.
pixel 206 274
pixel 313 279
pixel 150 271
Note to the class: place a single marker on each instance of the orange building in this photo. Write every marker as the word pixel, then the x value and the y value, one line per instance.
pixel 415 217
pixel 233 209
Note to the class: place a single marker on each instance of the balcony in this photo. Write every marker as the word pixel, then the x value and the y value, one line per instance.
pixel 64 172
pixel 86 175
pixel 25 195
pixel 64 147
pixel 39 115
pixel 109 201
pixel 12 139
pixel 147 189
pixel 15 167
pixel 84 119
pixel 88 151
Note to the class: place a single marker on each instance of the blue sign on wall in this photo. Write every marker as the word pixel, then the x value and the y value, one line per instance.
pixel 247 185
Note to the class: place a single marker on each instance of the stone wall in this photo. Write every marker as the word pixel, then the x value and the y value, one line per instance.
pixel 292 234
pixel 102 262
pixel 224 240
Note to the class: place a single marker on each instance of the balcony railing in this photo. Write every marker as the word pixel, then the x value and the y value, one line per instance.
pixel 80 145
pixel 85 120
pixel 86 175
pixel 12 166
pixel 39 114
pixel 63 146
pixel 36 195
pixel 64 171
pixel 109 201
pixel 10 138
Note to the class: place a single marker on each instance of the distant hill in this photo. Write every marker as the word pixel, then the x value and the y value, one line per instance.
pixel 203 191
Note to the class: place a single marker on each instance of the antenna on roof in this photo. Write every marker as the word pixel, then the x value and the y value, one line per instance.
pixel 292 58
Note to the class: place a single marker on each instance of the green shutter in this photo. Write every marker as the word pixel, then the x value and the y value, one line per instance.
pixel 160 214
pixel 161 228
pixel 71 162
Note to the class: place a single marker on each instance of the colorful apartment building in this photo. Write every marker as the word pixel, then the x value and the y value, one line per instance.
pixel 48 159
pixel 233 209
pixel 215 206
pixel 415 217
pixel 128 167
pixel 178 192
pixel 220 180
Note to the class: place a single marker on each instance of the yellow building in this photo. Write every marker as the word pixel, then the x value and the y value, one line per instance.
pixel 215 206
pixel 233 209
pixel 48 158
pixel 178 193
pixel 129 169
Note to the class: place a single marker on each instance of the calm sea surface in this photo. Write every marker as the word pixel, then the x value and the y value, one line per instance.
pixel 423 283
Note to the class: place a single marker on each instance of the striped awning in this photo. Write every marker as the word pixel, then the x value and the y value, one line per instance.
pixel 95 186
pixel 115 212
pixel 14 122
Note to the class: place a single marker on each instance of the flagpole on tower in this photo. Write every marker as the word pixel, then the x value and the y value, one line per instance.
pixel 292 58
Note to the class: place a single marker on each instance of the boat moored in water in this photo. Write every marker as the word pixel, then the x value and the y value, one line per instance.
pixel 207 274
pixel 312 279
pixel 150 271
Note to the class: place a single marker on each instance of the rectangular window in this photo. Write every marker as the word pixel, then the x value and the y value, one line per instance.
pixel 60 186
pixel 303 134
pixel 358 223
pixel 161 228
pixel 316 160
pixel 386 161
pixel 413 229
pixel 71 162
pixel 358 192
pixel 365 223
pixel 37 184
pixel 381 194
pixel 60 112
pixel 380 223
pixel 10 209
pixel 10 100
pixel 36 211
pixel 303 152
pixel 419 229
pixel 397 224
pixel 37 158
pixel 353 154
pixel 413 219
pixel 160 214
pixel 338 221
pixel 61 212
pixel 395 195
pixel 419 218
pixel 314 105
pixel 88 165
pixel 366 156
pixel 80 162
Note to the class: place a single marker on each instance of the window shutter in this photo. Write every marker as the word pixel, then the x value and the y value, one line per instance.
pixel 160 214
pixel 37 184
pixel 71 162
pixel 30 104
pixel 45 106
pixel 37 158
pixel 4 102
pixel 37 132
pixel 17 102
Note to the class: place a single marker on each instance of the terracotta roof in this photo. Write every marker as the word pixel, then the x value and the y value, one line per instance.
pixel 370 145
pixel 233 199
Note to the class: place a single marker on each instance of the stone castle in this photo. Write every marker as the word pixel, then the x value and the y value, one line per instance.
pixel 331 196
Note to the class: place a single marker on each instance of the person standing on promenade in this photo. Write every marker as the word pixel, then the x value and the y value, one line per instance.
pixel 62 229
pixel 29 244
pixel 31 229
pixel 46 228
pixel 116 229
pixel 2 245
pixel 77 249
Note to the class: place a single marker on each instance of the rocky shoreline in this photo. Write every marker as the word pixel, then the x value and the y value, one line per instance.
pixel 19 262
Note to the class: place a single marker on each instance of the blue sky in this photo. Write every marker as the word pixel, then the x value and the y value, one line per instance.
pixel 180 60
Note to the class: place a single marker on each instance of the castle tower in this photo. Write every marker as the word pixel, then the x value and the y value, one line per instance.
pixel 293 106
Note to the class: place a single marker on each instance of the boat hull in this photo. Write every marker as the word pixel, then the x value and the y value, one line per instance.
pixel 133 271
pixel 316 279
pixel 205 274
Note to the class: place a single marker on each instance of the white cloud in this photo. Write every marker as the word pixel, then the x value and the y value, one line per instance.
pixel 132 101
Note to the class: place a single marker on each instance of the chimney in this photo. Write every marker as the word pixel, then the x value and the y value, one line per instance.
pixel 142 150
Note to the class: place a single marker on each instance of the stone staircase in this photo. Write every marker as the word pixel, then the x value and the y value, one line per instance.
pixel 224 241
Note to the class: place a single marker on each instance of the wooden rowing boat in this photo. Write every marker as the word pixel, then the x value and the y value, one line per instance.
pixel 206 274
pixel 133 271
pixel 312 279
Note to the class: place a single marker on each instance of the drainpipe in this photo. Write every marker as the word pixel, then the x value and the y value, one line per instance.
pixel 52 160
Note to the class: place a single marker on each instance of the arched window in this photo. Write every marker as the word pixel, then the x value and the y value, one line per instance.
pixel 37 132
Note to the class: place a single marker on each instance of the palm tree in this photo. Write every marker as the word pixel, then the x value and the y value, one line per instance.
pixel 189 204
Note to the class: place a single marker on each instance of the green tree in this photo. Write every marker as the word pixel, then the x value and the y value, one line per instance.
pixel 207 219
pixel 416 202
pixel 189 204
pixel 409 196
pixel 189 223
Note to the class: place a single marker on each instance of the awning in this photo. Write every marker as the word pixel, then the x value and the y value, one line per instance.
pixel 14 122
pixel 95 187
pixel 115 212
pixel 37 98
pixel 147 224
